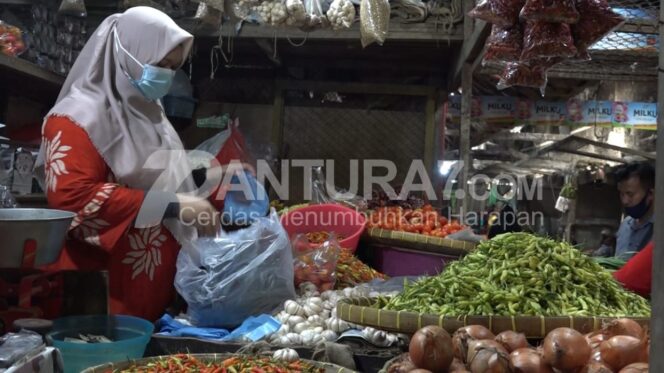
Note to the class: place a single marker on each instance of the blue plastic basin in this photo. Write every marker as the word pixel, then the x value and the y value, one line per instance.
pixel 130 336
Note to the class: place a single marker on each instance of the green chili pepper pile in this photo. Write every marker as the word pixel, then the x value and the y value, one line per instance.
pixel 521 274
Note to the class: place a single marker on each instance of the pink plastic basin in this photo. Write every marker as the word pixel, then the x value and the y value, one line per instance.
pixel 328 217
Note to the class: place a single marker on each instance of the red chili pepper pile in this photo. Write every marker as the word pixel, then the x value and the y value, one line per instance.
pixel 425 221
pixel 240 364
pixel 351 271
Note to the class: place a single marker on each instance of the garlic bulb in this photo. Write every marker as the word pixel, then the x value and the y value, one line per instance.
pixel 316 320
pixel 377 337
pixel 282 316
pixel 294 320
pixel 293 339
pixel 308 337
pixel 293 308
pixel 329 335
pixel 326 295
pixel 286 354
pixel 325 314
pixel 299 328
pixel 328 305
pixel 307 287
pixel 283 330
pixel 311 309
pixel 318 329
pixel 337 325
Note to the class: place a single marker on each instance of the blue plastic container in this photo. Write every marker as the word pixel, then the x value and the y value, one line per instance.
pixel 130 336
pixel 240 210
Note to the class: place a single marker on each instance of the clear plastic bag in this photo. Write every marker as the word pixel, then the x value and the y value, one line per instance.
pixel 215 4
pixel 14 346
pixel 322 194
pixel 597 20
pixel 315 18
pixel 239 274
pixel 208 17
pixel 74 8
pixel 374 21
pixel 559 11
pixel 315 264
pixel 272 12
pixel 504 13
pixel 297 14
pixel 504 44
pixel 11 40
pixel 547 40
pixel 523 74
pixel 341 14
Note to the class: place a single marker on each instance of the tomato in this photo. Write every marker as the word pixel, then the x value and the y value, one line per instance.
pixel 427 208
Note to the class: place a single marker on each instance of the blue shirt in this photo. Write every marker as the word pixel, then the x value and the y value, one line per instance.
pixel 632 238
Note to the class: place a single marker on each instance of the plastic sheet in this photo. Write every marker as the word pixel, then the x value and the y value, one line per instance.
pixel 374 21
pixel 14 346
pixel 560 11
pixel 504 44
pixel 547 40
pixel 239 274
pixel 11 40
pixel 504 13
pixel 523 74
pixel 597 20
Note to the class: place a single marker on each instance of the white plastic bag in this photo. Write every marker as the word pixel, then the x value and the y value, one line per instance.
pixel 374 21
pixel 240 274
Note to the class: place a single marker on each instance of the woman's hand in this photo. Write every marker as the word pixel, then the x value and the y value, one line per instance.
pixel 199 213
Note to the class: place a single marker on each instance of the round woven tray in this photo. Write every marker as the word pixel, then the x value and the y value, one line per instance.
pixel 111 367
pixel 359 311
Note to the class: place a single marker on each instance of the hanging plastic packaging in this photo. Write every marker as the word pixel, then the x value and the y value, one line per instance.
pixel 239 274
pixel 559 11
pixel 297 14
pixel 216 4
pixel 547 40
pixel 315 15
pixel 272 12
pixel 530 74
pixel 374 21
pixel 74 8
pixel 208 18
pixel 504 13
pixel 597 20
pixel 341 14
pixel 504 44
pixel 316 264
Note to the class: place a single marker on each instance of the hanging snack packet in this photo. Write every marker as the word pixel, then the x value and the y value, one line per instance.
pixel 559 11
pixel 504 44
pixel 547 40
pixel 597 20
pixel 504 13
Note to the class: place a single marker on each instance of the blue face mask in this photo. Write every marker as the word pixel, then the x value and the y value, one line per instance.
pixel 155 82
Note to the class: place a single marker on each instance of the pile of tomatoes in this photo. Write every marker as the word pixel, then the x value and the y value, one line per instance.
pixel 426 221
pixel 11 40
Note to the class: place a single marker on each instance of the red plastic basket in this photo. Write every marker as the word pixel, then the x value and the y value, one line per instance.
pixel 327 217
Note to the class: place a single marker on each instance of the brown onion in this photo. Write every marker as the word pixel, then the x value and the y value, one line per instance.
pixel 402 365
pixel 527 360
pixel 596 367
pixel 596 338
pixel 512 340
pixel 431 348
pixel 622 350
pixel 420 371
pixel 566 349
pixel 466 334
pixel 596 356
pixel 488 356
pixel 458 367
pixel 624 327
pixel 635 368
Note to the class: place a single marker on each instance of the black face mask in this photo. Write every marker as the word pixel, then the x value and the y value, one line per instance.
pixel 639 210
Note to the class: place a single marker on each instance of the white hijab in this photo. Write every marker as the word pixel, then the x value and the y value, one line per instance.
pixel 125 127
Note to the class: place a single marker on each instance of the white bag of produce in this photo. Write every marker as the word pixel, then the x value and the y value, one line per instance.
pixel 239 274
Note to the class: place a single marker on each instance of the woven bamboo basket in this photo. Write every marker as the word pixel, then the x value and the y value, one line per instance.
pixel 419 242
pixel 360 311
pixel 208 358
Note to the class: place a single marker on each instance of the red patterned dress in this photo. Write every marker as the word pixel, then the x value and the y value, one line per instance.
pixel 140 262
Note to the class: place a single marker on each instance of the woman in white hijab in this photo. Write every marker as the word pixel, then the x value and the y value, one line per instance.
pixel 106 143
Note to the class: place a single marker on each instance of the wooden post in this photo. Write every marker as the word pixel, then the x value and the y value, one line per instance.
pixel 657 290
pixel 278 120
pixel 464 138
pixel 430 137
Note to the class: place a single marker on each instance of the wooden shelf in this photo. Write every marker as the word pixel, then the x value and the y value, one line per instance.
pixel 426 31
pixel 23 67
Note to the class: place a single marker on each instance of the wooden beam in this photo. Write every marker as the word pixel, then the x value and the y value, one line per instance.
pixel 366 88
pixel 527 136
pixel 604 145
pixel 23 67
pixel 430 136
pixel 657 290
pixel 471 52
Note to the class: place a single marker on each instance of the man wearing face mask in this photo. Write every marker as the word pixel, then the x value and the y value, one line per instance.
pixel 636 184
